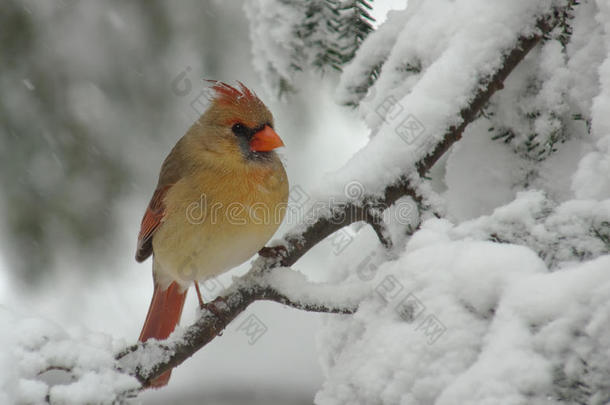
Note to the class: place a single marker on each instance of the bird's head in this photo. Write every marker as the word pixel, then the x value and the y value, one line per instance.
pixel 238 126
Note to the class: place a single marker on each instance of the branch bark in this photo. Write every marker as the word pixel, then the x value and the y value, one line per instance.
pixel 216 315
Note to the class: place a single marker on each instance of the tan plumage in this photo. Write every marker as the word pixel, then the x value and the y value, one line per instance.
pixel 221 195
pixel 210 225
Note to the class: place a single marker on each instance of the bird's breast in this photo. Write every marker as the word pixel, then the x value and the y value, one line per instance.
pixel 216 221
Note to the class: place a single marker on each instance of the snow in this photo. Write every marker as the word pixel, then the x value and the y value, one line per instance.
pixel 592 180
pixel 487 188
pixel 374 50
pixel 435 39
pixel 560 234
pixel 397 356
pixel 503 300
pixel 382 11
pixel 508 295
pixel 39 346
pixel 505 326
pixel 299 289
pixel 271 40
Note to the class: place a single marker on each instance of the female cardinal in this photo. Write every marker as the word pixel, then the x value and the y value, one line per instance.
pixel 219 199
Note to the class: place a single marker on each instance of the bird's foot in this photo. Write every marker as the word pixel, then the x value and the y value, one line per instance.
pixel 275 253
pixel 213 307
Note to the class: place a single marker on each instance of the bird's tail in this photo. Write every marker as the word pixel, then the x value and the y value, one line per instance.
pixel 163 316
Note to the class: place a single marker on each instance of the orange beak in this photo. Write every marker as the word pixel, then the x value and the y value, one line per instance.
pixel 265 140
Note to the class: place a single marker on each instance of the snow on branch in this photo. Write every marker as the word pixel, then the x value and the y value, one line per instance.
pixel 573 231
pixel 280 285
pixel 291 36
pixel 261 282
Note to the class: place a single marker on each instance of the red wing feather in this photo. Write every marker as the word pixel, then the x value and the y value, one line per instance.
pixel 151 221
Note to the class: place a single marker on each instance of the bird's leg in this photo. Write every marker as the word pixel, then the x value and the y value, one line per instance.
pixel 211 305
pixel 198 294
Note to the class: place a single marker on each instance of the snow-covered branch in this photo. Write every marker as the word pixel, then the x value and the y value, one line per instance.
pixel 494 290
pixel 290 36
pixel 280 285
pixel 256 285
pixel 570 232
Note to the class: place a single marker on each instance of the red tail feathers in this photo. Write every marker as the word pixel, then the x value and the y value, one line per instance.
pixel 163 316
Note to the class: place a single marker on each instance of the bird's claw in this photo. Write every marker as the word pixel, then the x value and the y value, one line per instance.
pixel 273 252
pixel 212 307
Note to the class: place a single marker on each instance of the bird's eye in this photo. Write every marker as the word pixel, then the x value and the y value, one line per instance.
pixel 239 129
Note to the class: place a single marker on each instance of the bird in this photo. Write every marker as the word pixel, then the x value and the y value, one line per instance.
pixel 221 195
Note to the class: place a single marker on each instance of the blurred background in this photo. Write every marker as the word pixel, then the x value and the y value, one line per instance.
pixel 93 96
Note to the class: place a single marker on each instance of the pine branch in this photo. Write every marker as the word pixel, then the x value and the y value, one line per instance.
pixel 217 315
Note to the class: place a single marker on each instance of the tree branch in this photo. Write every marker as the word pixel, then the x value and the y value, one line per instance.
pixel 216 315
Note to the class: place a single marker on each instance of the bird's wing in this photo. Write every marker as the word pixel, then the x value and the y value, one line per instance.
pixel 151 221
pixel 170 174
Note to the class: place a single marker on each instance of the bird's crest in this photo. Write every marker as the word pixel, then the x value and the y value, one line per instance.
pixel 227 94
